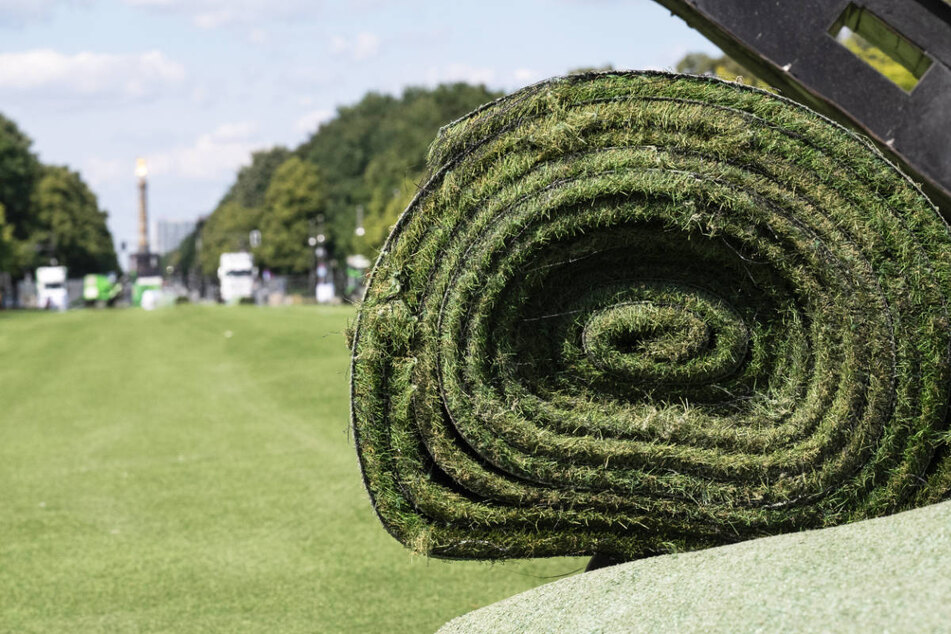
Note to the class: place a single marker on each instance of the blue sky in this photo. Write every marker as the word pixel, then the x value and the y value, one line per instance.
pixel 196 85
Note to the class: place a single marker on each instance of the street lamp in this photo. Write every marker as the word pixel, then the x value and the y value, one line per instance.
pixel 360 231
pixel 323 286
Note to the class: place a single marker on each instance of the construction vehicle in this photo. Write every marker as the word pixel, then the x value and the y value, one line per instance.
pixel 101 290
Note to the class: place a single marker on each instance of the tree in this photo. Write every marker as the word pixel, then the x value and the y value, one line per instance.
pixel 7 245
pixel 252 181
pixel 877 58
pixel 376 146
pixel 723 67
pixel 382 213
pixel 69 226
pixel 225 231
pixel 47 212
pixel 236 215
pixel 19 169
pixel 292 203
pixel 184 258
pixel 373 154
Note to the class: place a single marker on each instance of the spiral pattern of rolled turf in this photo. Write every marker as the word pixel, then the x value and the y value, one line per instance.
pixel 634 313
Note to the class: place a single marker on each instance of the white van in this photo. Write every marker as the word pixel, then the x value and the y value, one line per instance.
pixel 51 288
pixel 236 276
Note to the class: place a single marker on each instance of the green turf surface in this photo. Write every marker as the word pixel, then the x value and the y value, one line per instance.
pixel 157 475
pixel 635 313
pixel 890 574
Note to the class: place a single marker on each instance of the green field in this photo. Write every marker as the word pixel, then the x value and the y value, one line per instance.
pixel 190 469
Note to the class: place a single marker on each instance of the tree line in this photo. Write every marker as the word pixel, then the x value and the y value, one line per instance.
pixel 47 213
pixel 371 155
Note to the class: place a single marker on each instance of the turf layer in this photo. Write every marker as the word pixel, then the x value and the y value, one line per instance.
pixel 637 313
pixel 159 475
pixel 889 574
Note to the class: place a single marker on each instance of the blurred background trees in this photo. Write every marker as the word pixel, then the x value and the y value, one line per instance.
pixel 723 67
pixel 362 167
pixel 47 213
pixel 371 156
pixel 293 204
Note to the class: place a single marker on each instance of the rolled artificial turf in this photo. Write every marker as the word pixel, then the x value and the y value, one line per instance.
pixel 637 313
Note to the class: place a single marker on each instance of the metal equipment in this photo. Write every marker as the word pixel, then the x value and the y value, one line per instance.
pixel 792 45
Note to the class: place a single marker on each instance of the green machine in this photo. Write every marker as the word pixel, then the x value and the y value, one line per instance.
pixel 101 290
pixel 145 286
pixel 147 279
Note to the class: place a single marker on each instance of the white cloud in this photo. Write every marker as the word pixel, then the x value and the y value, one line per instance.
pixel 310 121
pixel 99 171
pixel 460 72
pixel 259 36
pixel 362 46
pixel 526 75
pixel 46 72
pixel 210 14
pixel 212 156
pixel 19 12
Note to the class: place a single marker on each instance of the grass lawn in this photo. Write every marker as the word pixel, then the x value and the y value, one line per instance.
pixel 157 474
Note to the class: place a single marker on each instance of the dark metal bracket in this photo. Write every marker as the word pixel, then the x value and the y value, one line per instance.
pixel 789 43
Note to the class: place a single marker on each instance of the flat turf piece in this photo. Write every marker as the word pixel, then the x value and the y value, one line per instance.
pixel 636 313
pixel 889 574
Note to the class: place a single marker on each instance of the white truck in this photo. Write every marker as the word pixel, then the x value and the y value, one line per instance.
pixel 236 275
pixel 51 288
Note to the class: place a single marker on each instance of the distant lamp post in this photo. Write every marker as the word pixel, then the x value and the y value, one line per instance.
pixel 324 286
pixel 360 231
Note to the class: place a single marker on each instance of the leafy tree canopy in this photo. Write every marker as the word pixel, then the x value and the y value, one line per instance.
pixel 253 180
pixel 372 155
pixel 880 61
pixel 7 245
pixel 723 67
pixel 371 150
pixel 70 226
pixel 293 203
pixel 19 169
pixel 47 213
pixel 226 230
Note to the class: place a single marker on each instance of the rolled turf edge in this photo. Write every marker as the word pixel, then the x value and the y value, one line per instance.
pixel 634 313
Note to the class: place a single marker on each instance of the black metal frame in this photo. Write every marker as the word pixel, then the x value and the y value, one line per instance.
pixel 789 43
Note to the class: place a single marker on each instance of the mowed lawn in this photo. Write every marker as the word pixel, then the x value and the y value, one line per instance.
pixel 191 470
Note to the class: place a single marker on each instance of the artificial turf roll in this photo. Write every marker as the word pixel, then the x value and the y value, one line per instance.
pixel 634 313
